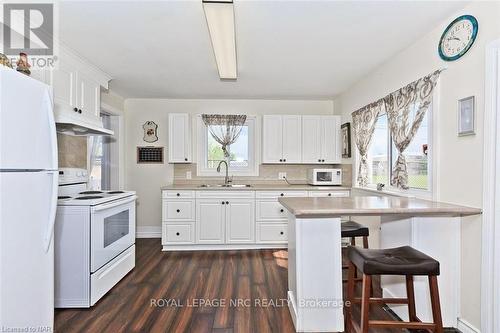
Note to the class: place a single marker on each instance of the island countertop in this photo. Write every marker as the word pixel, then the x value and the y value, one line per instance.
pixel 372 206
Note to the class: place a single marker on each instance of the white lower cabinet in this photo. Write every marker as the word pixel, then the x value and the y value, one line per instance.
pixel 240 221
pixel 272 233
pixel 228 219
pixel 211 214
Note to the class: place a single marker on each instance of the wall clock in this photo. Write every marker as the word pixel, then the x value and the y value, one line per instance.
pixel 458 38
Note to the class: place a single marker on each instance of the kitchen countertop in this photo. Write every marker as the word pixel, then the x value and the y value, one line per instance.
pixel 371 205
pixel 256 187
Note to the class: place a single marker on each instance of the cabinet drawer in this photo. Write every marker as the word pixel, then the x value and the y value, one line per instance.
pixel 280 194
pixel 272 233
pixel 177 233
pixel 178 194
pixel 333 194
pixel 270 210
pixel 178 210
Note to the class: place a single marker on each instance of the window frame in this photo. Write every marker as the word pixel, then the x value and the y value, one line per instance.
pixel 253 150
pixel 428 193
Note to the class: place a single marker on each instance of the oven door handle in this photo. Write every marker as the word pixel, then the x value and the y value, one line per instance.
pixel 114 204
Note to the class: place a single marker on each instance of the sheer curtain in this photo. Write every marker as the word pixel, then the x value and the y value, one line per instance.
pixel 225 129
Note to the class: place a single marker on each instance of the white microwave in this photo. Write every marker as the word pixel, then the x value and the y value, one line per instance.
pixel 324 176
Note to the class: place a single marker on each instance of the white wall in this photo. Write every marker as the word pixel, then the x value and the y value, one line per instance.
pixel 459 173
pixel 147 179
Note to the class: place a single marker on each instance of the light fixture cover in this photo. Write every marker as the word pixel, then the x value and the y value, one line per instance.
pixel 220 21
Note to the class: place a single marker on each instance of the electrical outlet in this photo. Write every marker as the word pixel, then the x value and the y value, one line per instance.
pixel 281 175
pixel 188 174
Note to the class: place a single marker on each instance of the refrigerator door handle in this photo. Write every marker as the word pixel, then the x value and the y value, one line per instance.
pixel 52 129
pixel 52 213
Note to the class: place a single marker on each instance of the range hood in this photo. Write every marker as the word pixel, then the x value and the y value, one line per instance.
pixel 79 126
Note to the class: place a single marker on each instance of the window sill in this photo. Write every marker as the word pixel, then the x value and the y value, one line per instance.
pixel 398 193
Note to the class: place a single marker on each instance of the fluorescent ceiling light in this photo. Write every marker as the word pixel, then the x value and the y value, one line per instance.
pixel 220 21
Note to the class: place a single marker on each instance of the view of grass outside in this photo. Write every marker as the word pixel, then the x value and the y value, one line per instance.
pixel 416 154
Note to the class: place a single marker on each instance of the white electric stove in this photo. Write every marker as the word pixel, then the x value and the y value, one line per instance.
pixel 94 240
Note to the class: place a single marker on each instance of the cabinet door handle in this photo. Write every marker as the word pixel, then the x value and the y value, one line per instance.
pixel 178 210
pixel 282 210
pixel 282 233
pixel 282 194
pixel 178 233
pixel 319 159
pixel 223 202
pixel 79 110
pixel 178 194
pixel 281 160
pixel 227 202
pixel 329 194
pixel 75 109
pixel 322 160
pixel 284 160
pixel 185 159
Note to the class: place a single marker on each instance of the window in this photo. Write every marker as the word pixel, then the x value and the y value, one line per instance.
pixel 242 154
pixel 382 154
pixel 100 158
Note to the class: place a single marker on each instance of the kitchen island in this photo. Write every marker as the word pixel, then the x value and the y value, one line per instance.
pixel 315 257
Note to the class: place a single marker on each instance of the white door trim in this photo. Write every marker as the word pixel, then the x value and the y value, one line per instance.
pixel 490 268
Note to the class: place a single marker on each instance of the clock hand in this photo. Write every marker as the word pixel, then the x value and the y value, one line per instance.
pixel 453 38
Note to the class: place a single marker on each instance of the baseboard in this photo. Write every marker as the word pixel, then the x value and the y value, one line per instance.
pixel 466 327
pixel 148 232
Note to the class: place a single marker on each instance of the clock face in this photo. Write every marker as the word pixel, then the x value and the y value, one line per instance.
pixel 458 37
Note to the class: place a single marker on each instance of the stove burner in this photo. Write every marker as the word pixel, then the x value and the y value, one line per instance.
pixel 91 192
pixel 63 197
pixel 89 197
pixel 115 192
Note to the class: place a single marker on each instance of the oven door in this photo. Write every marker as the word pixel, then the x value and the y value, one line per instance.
pixel 112 230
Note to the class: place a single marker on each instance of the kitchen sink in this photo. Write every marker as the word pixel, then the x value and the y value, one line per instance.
pixel 226 185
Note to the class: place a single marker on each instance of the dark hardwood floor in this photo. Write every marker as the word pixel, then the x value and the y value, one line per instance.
pixel 157 296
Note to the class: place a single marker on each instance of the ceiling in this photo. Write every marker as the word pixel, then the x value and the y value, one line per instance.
pixel 286 49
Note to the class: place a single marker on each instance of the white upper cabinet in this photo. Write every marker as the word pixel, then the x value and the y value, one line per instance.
pixel 292 147
pixel 321 139
pixel 88 95
pixel 272 139
pixel 179 138
pixel 330 139
pixel 76 86
pixel 311 139
pixel 281 139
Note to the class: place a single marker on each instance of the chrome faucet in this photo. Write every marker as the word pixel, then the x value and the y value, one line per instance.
pixel 227 180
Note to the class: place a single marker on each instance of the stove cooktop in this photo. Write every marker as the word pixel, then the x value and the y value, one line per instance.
pixel 92 198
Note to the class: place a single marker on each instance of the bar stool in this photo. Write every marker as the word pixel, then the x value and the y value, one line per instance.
pixel 405 261
pixel 351 229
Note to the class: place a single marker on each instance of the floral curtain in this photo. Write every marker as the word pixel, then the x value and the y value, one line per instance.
pixel 225 129
pixel 364 121
pixel 414 98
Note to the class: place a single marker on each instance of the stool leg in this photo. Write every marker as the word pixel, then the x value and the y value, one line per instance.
pixel 410 294
pixel 436 307
pixel 365 242
pixel 350 295
pixel 365 302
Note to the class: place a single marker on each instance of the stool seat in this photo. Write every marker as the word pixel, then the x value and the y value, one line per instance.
pixel 353 229
pixel 403 260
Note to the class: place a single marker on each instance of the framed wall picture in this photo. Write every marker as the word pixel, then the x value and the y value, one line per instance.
pixel 466 123
pixel 346 140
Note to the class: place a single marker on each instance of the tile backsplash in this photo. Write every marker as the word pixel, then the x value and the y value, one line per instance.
pixel 267 173
pixel 72 151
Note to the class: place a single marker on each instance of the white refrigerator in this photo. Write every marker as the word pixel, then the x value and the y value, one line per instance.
pixel 28 201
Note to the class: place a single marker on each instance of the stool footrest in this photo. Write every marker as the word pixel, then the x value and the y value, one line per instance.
pixel 401 324
pixel 383 300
